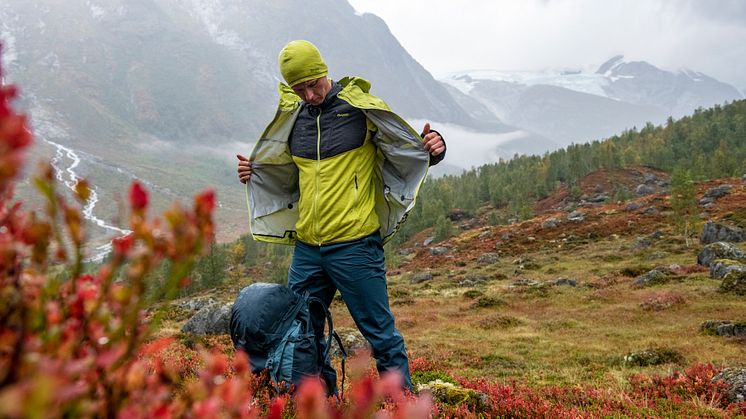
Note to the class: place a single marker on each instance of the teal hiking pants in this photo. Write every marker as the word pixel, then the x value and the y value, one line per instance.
pixel 357 270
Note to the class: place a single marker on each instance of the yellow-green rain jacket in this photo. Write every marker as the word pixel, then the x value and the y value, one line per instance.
pixel 401 164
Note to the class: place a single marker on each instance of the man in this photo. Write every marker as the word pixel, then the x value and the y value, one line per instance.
pixel 335 173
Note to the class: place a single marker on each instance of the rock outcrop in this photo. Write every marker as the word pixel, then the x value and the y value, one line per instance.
pixel 735 382
pixel 716 232
pixel 734 282
pixel 213 319
pixel 722 267
pixel 720 250
pixel 723 328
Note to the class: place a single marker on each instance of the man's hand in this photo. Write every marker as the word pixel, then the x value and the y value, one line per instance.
pixel 432 140
pixel 244 168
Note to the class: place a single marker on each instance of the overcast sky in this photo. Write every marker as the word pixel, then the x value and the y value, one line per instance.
pixel 446 36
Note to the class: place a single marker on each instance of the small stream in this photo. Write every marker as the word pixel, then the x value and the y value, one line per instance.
pixel 65 162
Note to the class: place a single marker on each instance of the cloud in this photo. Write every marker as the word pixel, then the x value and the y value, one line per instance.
pixel 725 11
pixel 706 36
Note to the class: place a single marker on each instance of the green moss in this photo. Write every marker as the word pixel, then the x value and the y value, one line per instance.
pixel 734 283
pixel 450 394
pixel 424 377
pixel 487 302
pixel 653 356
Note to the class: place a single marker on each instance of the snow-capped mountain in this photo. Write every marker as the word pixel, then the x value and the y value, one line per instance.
pixel 678 93
pixel 578 105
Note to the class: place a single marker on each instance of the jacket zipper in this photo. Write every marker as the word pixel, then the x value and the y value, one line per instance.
pixel 318 177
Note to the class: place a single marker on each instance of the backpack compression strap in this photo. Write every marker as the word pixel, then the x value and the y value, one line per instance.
pixel 332 334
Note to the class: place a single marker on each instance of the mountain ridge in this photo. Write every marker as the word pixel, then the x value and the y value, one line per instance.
pixel 627 93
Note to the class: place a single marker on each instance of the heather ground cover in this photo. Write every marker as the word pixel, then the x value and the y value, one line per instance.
pixel 81 340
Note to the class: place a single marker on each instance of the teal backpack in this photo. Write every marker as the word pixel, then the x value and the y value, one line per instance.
pixel 273 325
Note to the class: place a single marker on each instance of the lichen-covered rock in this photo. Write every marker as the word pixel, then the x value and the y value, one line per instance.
pixel 706 202
pixel 653 356
pixel 196 304
pixel 420 277
pixel 487 259
pixel 438 251
pixel 716 232
pixel 550 223
pixel 644 189
pixel 564 281
pixel 656 235
pixel 725 328
pixel 734 282
pixel 722 267
pixel 524 282
pixel 473 279
pixel 735 383
pixel 642 242
pixel 576 216
pixel 213 319
pixel 632 206
pixel 598 198
pixel 485 234
pixel 718 191
pixel 656 276
pixel 352 340
pixel 720 250
pixel 453 395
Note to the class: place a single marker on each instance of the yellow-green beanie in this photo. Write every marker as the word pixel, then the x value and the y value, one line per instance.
pixel 301 61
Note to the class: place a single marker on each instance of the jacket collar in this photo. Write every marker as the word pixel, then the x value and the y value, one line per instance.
pixel 330 96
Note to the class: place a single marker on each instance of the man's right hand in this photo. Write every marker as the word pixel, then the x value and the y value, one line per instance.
pixel 244 168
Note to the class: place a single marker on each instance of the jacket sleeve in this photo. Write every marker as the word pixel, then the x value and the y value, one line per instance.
pixel 439 158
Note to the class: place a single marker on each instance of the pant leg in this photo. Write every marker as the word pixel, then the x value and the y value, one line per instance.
pixel 307 275
pixel 358 270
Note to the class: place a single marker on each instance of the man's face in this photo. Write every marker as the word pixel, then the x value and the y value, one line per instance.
pixel 313 91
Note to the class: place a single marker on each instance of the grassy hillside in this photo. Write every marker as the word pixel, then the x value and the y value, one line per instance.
pixel 550 306
pixel 707 145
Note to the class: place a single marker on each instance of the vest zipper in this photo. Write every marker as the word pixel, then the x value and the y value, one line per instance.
pixel 318 177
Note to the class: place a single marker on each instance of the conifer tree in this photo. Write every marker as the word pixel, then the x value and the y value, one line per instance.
pixel 683 203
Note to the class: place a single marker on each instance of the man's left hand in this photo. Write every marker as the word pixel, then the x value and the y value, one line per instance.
pixel 432 140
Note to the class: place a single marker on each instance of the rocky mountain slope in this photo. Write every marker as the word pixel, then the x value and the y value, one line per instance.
pixel 168 91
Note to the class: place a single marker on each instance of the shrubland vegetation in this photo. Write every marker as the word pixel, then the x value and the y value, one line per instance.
pixel 709 144
pixel 80 341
